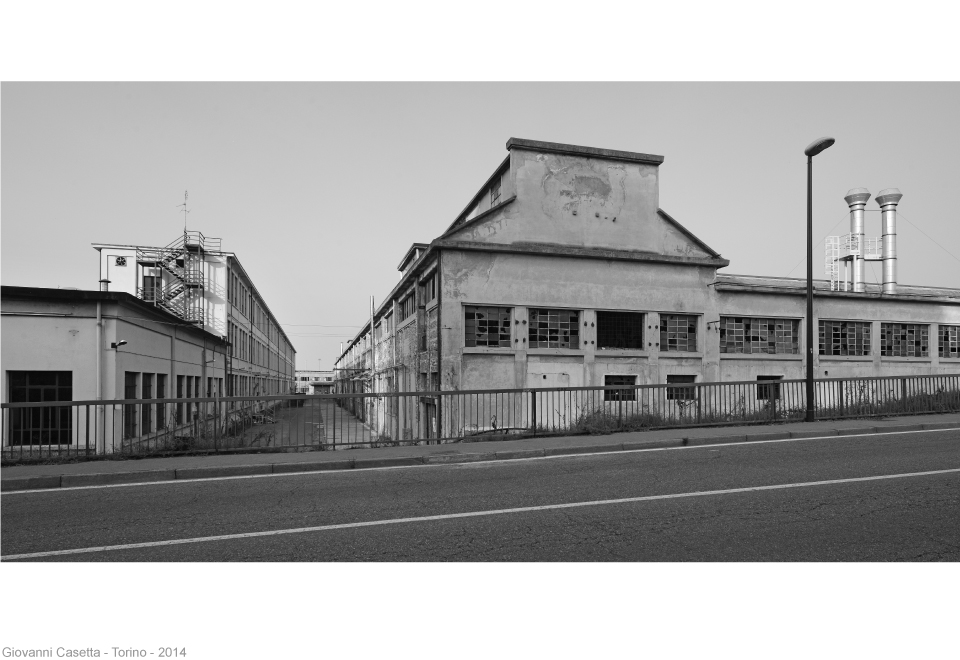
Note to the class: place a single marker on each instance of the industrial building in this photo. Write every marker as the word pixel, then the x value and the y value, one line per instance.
pixel 180 321
pixel 564 271
pixel 196 281
pixel 71 345
pixel 311 381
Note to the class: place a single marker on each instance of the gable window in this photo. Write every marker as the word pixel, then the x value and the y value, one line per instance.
pixel 680 393
pixel 904 340
pixel 41 426
pixel 741 334
pixel 619 395
pixel 495 191
pixel 429 288
pixel 844 338
pixel 949 340
pixel 678 332
pixel 768 392
pixel 407 307
pixel 619 330
pixel 486 326
pixel 554 328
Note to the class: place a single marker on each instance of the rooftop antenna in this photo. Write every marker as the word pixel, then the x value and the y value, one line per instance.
pixel 185 211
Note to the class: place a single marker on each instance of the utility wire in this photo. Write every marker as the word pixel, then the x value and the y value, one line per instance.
pixel 900 215
pixel 804 258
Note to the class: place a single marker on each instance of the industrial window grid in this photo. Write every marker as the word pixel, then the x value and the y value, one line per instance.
pixel 844 338
pixel 486 326
pixel 768 391
pixel 619 330
pixel 407 307
pixel 681 393
pixel 554 328
pixel 41 426
pixel 949 340
pixel 619 395
pixel 741 334
pixel 678 332
pixel 904 340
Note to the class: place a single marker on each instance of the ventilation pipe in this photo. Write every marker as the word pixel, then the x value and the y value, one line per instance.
pixel 856 199
pixel 104 285
pixel 888 200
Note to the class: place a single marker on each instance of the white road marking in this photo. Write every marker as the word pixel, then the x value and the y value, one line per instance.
pixel 471 514
pixel 471 464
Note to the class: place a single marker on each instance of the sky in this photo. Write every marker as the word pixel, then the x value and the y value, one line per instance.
pixel 320 188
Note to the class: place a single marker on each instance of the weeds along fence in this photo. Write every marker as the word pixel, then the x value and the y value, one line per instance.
pixel 48 430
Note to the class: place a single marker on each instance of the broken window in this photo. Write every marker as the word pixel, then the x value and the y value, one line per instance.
pixel 949 340
pixel 904 340
pixel 678 332
pixel 619 330
pixel 554 328
pixel 619 395
pixel 768 392
pixel 680 393
pixel 486 326
pixel 741 334
pixel 844 338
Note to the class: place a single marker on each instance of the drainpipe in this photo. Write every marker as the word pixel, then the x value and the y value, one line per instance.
pixel 99 408
pixel 856 199
pixel 888 200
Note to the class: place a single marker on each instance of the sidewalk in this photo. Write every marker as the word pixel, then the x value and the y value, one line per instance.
pixel 25 477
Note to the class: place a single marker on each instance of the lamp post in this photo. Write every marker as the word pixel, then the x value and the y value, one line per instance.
pixel 812 150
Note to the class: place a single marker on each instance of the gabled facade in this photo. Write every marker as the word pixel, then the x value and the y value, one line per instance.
pixel 564 271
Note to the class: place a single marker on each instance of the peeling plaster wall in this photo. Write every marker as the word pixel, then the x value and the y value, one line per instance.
pixel 587 202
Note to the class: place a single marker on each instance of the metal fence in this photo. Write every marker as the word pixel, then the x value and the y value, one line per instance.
pixel 50 430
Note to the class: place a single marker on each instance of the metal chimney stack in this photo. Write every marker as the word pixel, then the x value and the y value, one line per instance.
pixel 856 199
pixel 888 200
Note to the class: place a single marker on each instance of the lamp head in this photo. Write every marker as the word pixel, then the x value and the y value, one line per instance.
pixel 118 344
pixel 817 146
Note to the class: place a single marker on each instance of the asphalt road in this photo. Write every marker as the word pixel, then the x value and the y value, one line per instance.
pixel 687 504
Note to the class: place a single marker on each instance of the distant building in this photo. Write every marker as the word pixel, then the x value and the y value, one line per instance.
pixel 564 271
pixel 194 280
pixel 314 382
pixel 70 345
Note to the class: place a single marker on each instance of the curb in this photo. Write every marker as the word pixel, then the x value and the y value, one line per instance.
pixel 150 476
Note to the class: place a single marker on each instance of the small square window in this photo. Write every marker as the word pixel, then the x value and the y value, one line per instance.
pixel 619 395
pixel 768 392
pixel 681 393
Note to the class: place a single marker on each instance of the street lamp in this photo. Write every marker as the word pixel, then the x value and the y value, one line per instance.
pixel 812 150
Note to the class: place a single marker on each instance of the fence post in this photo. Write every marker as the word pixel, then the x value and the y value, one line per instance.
pixel 620 408
pixel 697 392
pixel 842 388
pixel 533 412
pixel 436 414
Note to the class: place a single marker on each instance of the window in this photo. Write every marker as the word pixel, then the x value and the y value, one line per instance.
pixel 904 340
pixel 179 408
pixel 844 338
pixel 407 307
pixel 130 379
pixel 146 414
pixel 429 289
pixel 495 191
pixel 678 332
pixel 949 340
pixel 619 395
pixel 486 326
pixel 768 392
pixel 619 330
pixel 41 426
pixel 741 334
pixel 554 328
pixel 681 393
pixel 161 407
